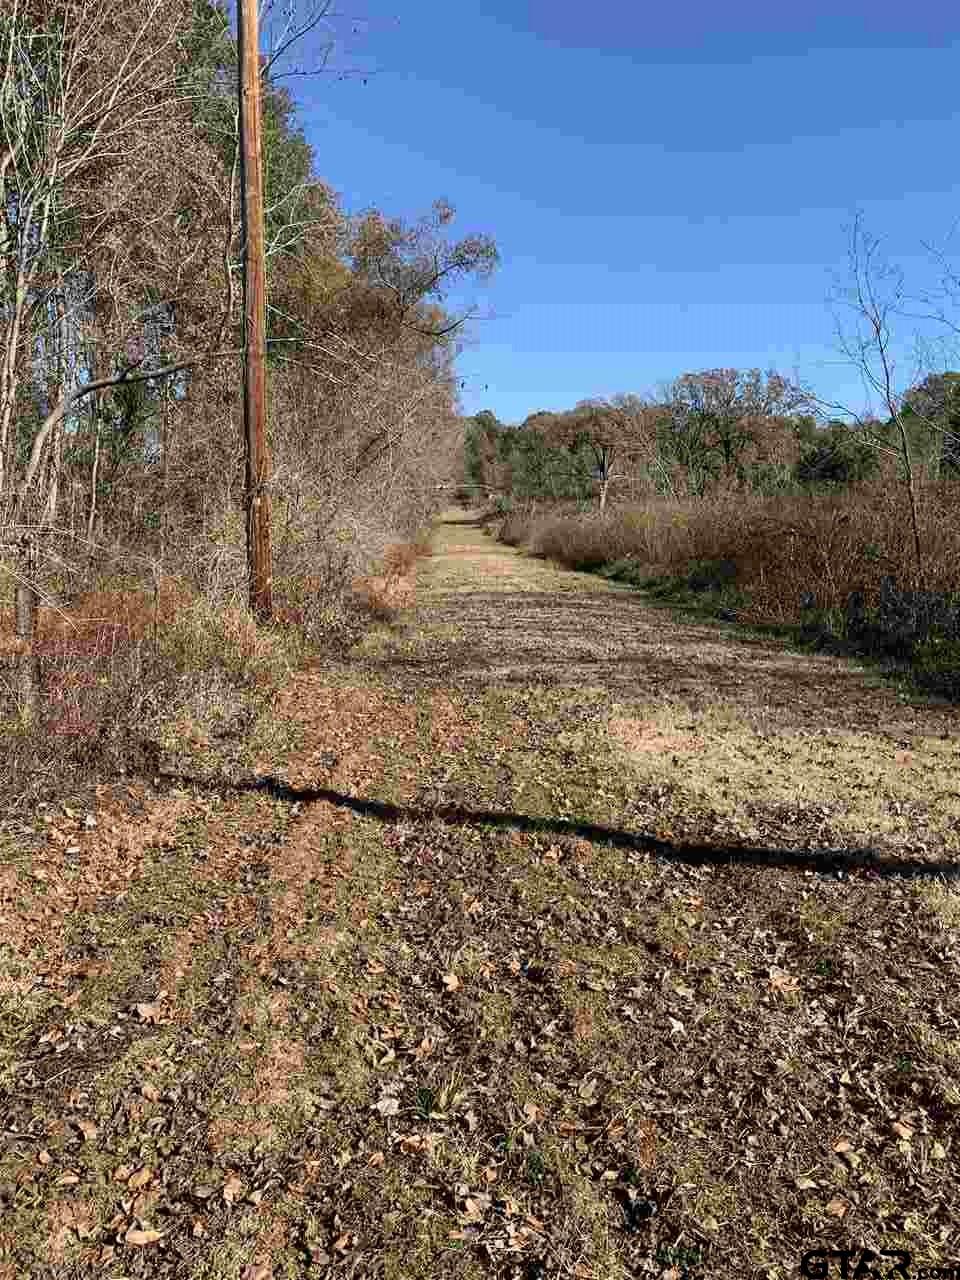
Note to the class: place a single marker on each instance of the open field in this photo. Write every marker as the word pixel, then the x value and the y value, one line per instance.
pixel 567 940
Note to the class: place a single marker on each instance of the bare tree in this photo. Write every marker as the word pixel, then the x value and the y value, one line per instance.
pixel 885 334
pixel 85 103
pixel 91 187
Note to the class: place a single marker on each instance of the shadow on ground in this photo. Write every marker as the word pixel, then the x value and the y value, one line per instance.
pixel 838 862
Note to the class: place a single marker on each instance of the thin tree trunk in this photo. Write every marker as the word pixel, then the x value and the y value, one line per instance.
pixel 95 415
pixel 165 473
pixel 94 478
pixel 52 500
pixel 906 457
pixel 28 663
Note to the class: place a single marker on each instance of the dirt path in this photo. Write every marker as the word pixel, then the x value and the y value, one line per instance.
pixel 570 942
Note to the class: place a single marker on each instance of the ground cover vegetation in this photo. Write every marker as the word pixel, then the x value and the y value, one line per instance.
pixel 476 917
pixel 553 938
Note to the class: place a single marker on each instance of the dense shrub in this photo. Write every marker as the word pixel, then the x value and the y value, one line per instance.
pixel 903 620
pixel 132 672
pixel 517 525
pixel 126 674
pixel 839 459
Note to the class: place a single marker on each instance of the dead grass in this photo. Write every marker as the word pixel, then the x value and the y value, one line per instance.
pixel 783 548
pixel 862 785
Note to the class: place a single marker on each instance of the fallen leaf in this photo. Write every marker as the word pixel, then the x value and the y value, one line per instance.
pixel 141 1238
pixel 388 1106
pixel 902 1130
pixel 837 1207
pixel 376 1160
pixel 938 1151
pixel 142 1178
pixel 782 982
pixel 150 1092
pixel 451 981
pixel 474 1207
pixel 258 1271
pixel 531 1110
pixel 646 1144
pixel 67 1179
pixel 232 1189
pixel 806 1184
pixel 148 1012
pixel 587 1090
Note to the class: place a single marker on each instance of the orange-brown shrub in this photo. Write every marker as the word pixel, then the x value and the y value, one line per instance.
pixel 830 546
pixel 653 533
pixel 99 622
pixel 385 595
pixel 118 665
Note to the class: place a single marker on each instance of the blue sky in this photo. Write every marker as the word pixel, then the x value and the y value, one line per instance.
pixel 669 185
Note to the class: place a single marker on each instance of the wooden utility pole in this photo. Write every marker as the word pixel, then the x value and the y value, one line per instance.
pixel 254 316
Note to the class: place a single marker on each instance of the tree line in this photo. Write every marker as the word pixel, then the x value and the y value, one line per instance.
pixel 717 428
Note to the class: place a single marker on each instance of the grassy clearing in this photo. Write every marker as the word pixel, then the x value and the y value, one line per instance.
pixel 414 1014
